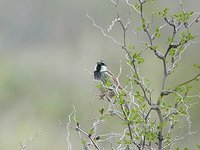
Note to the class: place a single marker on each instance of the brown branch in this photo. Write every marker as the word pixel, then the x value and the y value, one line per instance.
pixel 196 20
pixel 160 136
pixel 146 27
pixel 124 27
pixel 88 135
pixel 171 23
pixel 129 127
pixel 165 74
pixel 186 82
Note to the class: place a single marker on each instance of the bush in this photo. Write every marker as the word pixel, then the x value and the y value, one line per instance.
pixel 148 123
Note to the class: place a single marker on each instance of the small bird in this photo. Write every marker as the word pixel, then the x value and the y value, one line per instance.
pixel 109 81
pixel 100 72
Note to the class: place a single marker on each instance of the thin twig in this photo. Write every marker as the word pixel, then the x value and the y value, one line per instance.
pixel 186 82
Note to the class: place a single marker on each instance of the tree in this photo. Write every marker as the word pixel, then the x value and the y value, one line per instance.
pixel 148 122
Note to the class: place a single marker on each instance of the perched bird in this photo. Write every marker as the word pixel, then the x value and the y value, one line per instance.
pixel 100 72
pixel 109 81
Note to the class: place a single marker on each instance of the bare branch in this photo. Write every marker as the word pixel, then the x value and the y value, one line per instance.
pixel 127 1
pixel 26 142
pixel 102 31
pixel 186 82
pixel 196 20
pixel 68 131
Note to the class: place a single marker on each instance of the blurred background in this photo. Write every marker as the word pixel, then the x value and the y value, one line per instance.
pixel 47 48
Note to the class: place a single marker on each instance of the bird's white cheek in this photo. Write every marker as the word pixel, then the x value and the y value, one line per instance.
pixel 103 68
pixel 95 68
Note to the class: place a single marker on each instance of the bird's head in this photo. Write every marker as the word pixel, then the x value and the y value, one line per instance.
pixel 100 67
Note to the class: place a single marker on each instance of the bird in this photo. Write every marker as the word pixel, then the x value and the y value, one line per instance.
pixel 109 82
pixel 100 72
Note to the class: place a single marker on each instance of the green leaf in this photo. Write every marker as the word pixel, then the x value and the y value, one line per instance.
pixel 157 34
pixel 139 97
pixel 169 40
pixel 165 11
pixel 153 47
pixel 162 13
pixel 157 13
pixel 101 110
pixel 186 36
pixel 83 141
pixel 161 125
pixel 172 52
pixel 141 60
pixel 99 86
pixel 75 119
pixel 196 66
pixel 91 132
pixel 183 16
pixel 108 82
pixel 138 58
pixel 137 5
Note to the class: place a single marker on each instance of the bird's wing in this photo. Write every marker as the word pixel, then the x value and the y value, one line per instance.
pixel 116 82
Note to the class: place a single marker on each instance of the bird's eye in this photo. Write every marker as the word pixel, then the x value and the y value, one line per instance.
pixel 103 64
